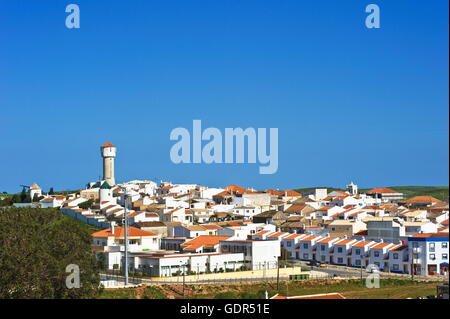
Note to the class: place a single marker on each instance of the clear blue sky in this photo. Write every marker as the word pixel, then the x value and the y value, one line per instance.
pixel 350 103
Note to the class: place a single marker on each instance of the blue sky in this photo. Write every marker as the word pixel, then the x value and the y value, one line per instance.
pixel 351 103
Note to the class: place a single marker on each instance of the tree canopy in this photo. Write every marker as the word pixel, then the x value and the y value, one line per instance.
pixel 36 246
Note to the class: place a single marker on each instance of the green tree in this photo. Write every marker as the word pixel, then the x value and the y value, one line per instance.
pixel 36 247
pixel 51 191
pixel 87 204
pixel 16 198
pixel 36 198
pixel 23 196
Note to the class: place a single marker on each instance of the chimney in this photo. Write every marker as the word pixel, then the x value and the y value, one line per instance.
pixel 363 238
pixel 112 227
pixel 381 240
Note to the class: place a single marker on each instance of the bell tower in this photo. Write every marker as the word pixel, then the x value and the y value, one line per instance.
pixel 108 152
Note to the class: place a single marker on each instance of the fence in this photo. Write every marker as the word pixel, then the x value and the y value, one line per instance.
pixel 87 220
pixel 178 280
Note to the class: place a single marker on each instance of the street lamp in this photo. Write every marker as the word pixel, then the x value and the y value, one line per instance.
pixel 126 235
pixel 278 273
pixel 184 279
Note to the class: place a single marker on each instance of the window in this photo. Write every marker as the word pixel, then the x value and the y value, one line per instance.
pixel 432 247
pixel 357 262
pixel 444 256
pixel 305 245
pixel 322 247
pixel 333 229
pixel 395 255
pixel 415 244
pixel 444 245
pixel 395 267
pixel 322 257
pixel 289 244
pixel 358 251
pixel 432 256
pixel 340 260
pixel 339 249
pixel 305 256
pixel 376 253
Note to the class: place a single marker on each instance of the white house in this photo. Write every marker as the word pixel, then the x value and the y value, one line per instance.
pixel 359 253
pixel 307 246
pixel 52 201
pixel 398 259
pixel 192 231
pixel 324 248
pixel 378 255
pixel 258 254
pixel 176 215
pixel 290 244
pixel 342 251
pixel 112 239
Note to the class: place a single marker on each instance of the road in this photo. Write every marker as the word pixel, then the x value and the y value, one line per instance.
pixel 348 272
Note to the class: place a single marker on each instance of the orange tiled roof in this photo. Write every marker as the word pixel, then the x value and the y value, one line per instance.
pixel 293 236
pixel 108 144
pixel 172 211
pixel 238 189
pixel 202 241
pixel 276 234
pixel 362 243
pixel 119 232
pixel 428 235
pixel 260 233
pixel 381 190
pixel 327 240
pixel 309 238
pixel 422 200
pixel 381 245
pixel 343 242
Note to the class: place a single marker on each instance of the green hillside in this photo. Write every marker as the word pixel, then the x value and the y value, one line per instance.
pixel 439 192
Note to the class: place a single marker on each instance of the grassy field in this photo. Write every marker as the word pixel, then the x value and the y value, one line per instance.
pixel 351 289
pixel 439 192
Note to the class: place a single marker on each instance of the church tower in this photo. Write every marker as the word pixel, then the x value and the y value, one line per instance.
pixel 108 152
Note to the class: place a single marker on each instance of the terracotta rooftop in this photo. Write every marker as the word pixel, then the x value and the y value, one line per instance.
pixel 119 232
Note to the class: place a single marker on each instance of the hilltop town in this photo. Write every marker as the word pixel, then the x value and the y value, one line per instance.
pixel 189 228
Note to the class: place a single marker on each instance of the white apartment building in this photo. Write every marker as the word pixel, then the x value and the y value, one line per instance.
pixel 258 254
pixel 428 253
pixel 165 264
pixel 242 232
pixel 389 229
